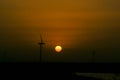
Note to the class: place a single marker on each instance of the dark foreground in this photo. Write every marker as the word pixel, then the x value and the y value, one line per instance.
pixel 63 71
pixel 68 71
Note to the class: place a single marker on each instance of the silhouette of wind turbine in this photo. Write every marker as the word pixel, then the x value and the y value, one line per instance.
pixel 4 56
pixel 41 43
pixel 93 56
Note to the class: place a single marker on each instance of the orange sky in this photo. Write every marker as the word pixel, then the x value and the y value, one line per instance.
pixel 70 23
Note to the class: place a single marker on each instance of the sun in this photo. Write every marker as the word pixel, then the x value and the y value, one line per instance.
pixel 58 48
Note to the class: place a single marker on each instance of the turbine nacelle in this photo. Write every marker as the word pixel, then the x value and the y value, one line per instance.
pixel 41 43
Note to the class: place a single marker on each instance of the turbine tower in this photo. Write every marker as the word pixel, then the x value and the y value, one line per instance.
pixel 4 57
pixel 93 56
pixel 41 43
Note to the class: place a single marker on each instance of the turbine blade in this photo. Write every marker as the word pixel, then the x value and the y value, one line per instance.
pixel 41 38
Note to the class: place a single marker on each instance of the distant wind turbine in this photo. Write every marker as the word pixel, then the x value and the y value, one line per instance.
pixel 41 43
pixel 4 57
pixel 93 56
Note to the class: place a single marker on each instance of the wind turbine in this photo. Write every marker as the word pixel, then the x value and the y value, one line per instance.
pixel 93 56
pixel 4 56
pixel 41 43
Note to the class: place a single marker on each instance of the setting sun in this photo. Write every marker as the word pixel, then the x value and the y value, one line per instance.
pixel 58 48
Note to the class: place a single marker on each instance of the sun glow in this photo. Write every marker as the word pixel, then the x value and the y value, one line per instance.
pixel 58 48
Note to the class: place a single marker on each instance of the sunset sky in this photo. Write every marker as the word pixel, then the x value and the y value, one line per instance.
pixel 79 26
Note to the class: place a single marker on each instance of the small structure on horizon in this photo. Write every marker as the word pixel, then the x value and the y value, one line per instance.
pixel 4 56
pixel 93 56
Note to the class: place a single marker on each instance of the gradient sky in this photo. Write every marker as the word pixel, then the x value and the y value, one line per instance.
pixel 79 26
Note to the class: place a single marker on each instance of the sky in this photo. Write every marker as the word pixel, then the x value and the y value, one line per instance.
pixel 79 26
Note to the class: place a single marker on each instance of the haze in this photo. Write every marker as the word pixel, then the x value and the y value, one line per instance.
pixel 79 26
